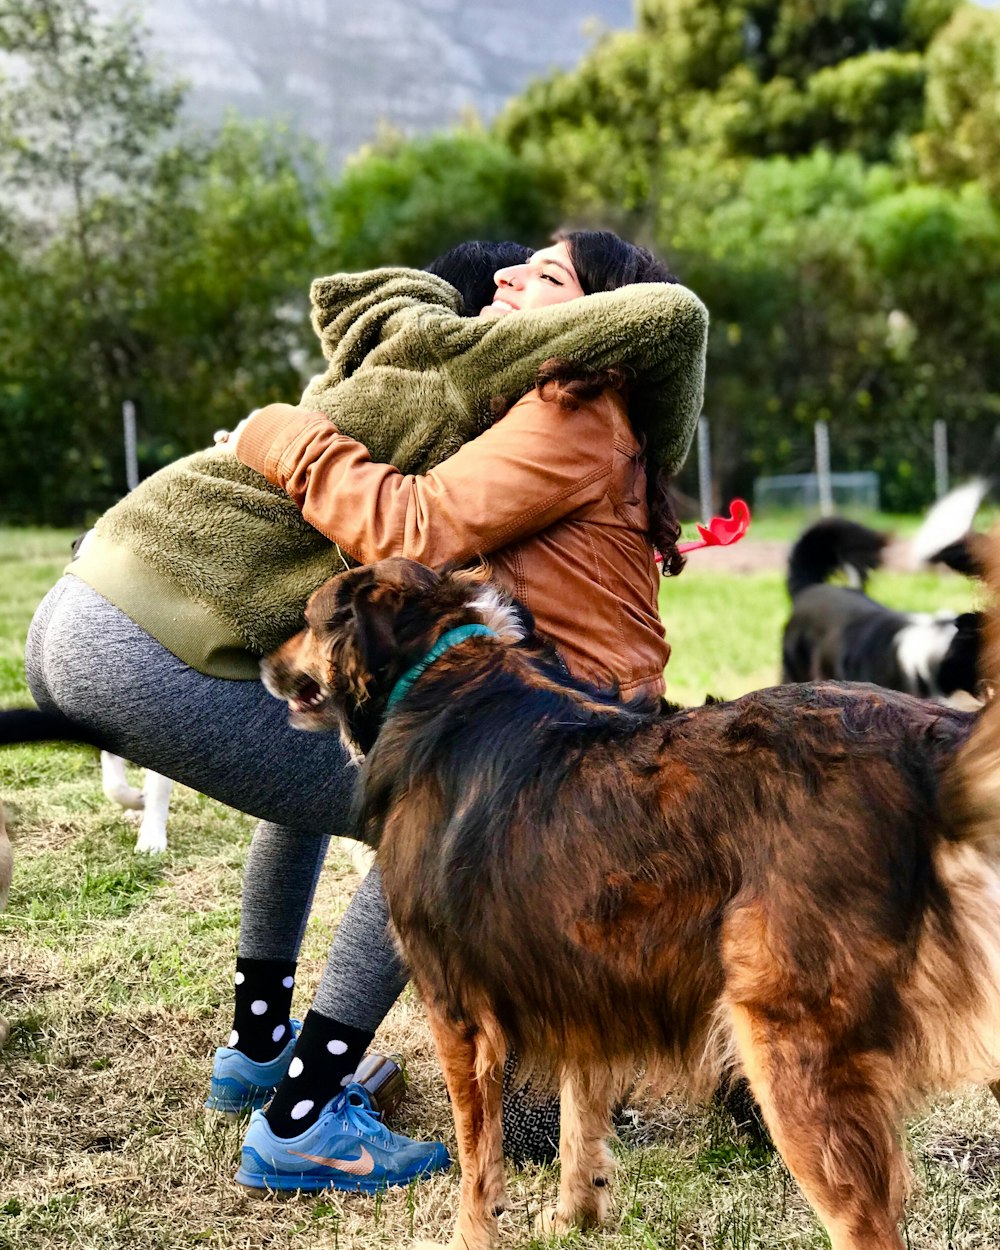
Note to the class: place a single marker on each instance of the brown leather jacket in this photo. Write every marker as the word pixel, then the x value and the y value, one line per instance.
pixel 553 499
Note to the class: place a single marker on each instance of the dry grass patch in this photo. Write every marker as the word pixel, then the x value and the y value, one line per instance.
pixel 115 973
pixel 103 1143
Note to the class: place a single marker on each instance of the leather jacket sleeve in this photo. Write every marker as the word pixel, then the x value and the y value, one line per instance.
pixel 537 465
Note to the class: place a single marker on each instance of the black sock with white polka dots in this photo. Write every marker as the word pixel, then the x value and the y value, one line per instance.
pixel 325 1058
pixel 263 1002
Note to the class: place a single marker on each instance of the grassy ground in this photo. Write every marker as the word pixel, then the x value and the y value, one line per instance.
pixel 114 972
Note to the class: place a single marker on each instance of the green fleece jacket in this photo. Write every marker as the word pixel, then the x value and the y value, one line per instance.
pixel 217 564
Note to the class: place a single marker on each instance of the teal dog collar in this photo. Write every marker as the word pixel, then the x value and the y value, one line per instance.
pixel 451 638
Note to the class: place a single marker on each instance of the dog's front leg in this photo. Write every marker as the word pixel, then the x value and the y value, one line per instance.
pixel 473 1073
pixel 585 1161
pixel 156 792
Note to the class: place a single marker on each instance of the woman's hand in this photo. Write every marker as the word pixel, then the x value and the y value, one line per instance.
pixel 226 440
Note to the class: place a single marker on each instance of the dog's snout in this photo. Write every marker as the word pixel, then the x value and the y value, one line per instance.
pixel 281 671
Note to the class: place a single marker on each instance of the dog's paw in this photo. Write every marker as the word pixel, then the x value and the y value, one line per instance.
pixel 362 858
pixel 461 1243
pixel 483 1240
pixel 556 1220
pixel 151 841
pixel 125 796
pixel 549 1222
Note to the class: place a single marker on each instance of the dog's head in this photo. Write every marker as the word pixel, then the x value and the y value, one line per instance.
pixel 364 629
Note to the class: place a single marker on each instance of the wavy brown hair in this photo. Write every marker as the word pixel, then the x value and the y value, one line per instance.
pixel 570 385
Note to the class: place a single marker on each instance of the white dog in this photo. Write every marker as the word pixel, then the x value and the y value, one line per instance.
pixel 153 801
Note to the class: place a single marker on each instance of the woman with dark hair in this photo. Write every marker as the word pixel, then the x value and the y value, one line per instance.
pixel 604 262
pixel 561 498
pixel 153 637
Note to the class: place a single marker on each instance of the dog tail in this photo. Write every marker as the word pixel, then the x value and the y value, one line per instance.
pixel 972 792
pixel 25 724
pixel 831 545
pixel 945 535
pixel 967 555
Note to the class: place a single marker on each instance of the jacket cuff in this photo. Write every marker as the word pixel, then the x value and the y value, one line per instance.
pixel 267 434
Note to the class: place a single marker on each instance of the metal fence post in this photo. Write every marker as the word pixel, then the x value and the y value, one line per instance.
pixel 940 458
pixel 823 482
pixel 704 468
pixel 131 457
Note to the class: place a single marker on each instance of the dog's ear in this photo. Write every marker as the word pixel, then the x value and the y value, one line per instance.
pixel 967 555
pixel 390 617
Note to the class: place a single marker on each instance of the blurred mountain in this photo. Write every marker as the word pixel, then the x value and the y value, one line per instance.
pixel 339 69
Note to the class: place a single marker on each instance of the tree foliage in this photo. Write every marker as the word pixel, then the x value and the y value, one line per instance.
pixel 825 175
pixel 404 202
pixel 136 262
pixel 962 136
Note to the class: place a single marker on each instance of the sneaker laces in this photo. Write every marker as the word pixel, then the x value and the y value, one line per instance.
pixel 360 1116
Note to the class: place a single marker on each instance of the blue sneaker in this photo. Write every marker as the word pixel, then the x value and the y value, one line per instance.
pixel 347 1148
pixel 240 1084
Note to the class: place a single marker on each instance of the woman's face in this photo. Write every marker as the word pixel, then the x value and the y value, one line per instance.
pixel 547 278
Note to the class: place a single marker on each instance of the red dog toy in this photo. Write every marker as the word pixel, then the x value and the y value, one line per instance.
pixel 721 531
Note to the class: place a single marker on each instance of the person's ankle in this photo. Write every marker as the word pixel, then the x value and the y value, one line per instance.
pixel 263 999
pixel 326 1055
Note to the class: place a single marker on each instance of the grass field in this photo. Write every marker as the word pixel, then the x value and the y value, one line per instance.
pixel 114 972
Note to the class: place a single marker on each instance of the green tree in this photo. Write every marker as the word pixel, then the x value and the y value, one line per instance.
pixel 137 261
pixel 221 287
pixel 81 125
pixel 962 136
pixel 771 151
pixel 82 122
pixel 404 202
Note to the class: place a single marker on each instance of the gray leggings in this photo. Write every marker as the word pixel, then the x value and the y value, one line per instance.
pixel 230 740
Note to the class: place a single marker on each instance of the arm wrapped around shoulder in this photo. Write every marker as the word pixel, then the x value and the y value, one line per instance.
pixel 656 334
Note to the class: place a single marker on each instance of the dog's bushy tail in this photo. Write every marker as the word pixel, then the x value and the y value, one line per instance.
pixel 831 545
pixel 31 725
pixel 973 784
pixel 946 535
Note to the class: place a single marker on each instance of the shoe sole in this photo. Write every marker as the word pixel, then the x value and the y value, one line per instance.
pixel 260 1186
pixel 229 1114
pixel 257 1183
pixel 234 1110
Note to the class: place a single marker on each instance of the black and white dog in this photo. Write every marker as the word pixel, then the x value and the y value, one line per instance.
pixel 840 632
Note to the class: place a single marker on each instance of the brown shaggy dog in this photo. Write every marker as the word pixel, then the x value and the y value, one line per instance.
pixel 802 884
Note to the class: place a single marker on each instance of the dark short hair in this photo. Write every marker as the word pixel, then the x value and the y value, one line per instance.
pixel 470 267
pixel 604 262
